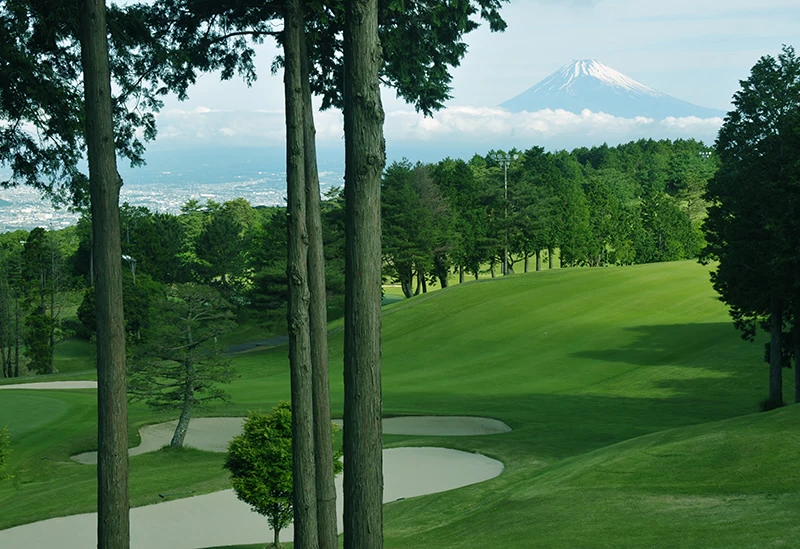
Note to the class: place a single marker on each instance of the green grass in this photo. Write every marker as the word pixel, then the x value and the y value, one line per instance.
pixel 631 397
pixel 74 356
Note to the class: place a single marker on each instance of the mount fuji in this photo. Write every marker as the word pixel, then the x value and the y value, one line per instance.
pixel 588 84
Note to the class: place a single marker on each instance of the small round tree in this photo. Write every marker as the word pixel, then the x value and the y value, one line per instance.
pixel 260 463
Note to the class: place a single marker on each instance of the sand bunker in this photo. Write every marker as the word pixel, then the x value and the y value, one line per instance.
pixel 221 519
pixel 53 385
pixel 213 433
pixel 205 433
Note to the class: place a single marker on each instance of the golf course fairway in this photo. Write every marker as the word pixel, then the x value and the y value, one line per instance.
pixel 634 409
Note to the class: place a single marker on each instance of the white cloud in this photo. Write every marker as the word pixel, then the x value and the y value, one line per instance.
pixel 549 128
pixel 456 131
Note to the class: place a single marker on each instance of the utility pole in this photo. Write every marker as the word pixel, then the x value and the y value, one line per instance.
pixel 505 161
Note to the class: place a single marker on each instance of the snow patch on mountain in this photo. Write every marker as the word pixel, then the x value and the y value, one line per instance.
pixel 568 78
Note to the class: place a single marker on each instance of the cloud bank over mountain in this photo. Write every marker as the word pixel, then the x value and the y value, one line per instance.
pixel 582 104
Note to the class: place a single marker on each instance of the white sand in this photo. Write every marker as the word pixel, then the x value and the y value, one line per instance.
pixel 221 519
pixel 53 385
pixel 213 433
pixel 205 433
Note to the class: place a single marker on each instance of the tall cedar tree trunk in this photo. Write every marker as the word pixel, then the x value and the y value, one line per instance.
pixel 113 526
pixel 17 335
pixel 303 475
pixel 796 353
pixel 52 328
pixel 775 366
pixel 365 158
pixel 318 321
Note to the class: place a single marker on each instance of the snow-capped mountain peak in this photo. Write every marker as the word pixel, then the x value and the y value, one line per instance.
pixel 589 84
pixel 569 75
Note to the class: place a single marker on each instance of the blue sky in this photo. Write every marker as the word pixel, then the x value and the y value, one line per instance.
pixel 694 50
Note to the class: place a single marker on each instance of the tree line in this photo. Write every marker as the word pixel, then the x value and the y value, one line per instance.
pixel 639 202
pixel 232 247
pixel 635 203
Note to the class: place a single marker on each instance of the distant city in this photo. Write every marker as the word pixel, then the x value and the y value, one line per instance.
pixel 170 180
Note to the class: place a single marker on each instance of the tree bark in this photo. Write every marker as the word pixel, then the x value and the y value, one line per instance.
pixel 796 353
pixel 179 436
pixel 550 258
pixel 318 313
pixel 17 335
pixel 460 274
pixel 52 339
pixel 775 366
pixel 304 501
pixel 538 260
pixel 365 158
pixel 113 523
pixel 405 285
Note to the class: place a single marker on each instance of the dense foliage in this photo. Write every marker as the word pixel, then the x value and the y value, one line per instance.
pixel 752 227
pixel 260 463
pixel 640 202
pixel 635 203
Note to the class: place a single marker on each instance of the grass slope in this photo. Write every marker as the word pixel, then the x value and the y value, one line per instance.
pixel 592 368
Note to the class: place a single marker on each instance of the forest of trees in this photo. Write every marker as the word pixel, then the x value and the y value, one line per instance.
pixel 639 202
pixel 635 203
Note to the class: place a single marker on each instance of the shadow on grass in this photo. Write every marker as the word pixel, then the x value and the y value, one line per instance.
pixel 715 350
pixel 688 374
pixel 678 344
pixel 557 426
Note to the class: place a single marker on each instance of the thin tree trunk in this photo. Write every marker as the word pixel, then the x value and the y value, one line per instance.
pixel 460 274
pixel 365 158
pixel 182 427
pixel 538 260
pixel 775 366
pixel 113 524
pixel 304 478
pixel 276 537
pixel 405 285
pixel 17 336
pixel 318 313
pixel 550 258
pixel 52 339
pixel 525 263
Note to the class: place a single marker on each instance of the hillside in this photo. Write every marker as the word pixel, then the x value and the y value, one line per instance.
pixel 632 402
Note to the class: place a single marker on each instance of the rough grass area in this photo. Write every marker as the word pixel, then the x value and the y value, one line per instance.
pixel 632 402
